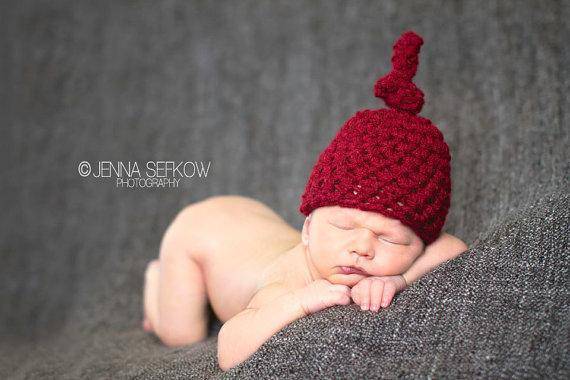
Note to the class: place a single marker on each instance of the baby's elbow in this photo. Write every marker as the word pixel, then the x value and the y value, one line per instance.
pixel 461 246
pixel 454 243
pixel 233 346
pixel 225 360
pixel 450 246
pixel 222 362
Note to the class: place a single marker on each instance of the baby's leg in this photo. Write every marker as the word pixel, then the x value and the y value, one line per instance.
pixel 176 300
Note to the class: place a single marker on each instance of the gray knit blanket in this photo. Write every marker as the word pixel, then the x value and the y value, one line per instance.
pixel 259 89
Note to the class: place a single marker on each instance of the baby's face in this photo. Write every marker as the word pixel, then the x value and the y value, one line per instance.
pixel 339 237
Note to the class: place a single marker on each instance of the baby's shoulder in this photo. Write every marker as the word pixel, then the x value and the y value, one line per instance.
pixel 268 293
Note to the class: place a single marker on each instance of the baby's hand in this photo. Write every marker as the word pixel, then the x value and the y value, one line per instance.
pixel 373 292
pixel 321 294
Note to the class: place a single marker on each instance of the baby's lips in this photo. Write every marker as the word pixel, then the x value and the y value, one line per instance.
pixel 352 270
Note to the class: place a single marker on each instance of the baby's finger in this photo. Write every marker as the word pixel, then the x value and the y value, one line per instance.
pixel 346 300
pixel 365 295
pixel 376 290
pixel 341 288
pixel 340 296
pixel 389 292
pixel 355 295
pixel 356 287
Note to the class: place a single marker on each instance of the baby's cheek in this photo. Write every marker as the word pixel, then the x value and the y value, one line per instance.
pixel 327 243
pixel 320 254
pixel 406 264
pixel 394 264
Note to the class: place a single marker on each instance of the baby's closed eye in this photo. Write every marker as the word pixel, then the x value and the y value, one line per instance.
pixel 347 226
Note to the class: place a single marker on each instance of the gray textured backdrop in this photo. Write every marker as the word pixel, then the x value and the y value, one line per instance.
pixel 259 89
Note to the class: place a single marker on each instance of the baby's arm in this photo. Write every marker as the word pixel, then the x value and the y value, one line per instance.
pixel 446 247
pixel 243 334
pixel 271 309
pixel 375 292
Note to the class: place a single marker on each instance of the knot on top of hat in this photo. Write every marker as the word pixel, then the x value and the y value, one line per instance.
pixel 396 87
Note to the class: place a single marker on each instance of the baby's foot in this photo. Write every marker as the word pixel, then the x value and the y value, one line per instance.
pixel 150 295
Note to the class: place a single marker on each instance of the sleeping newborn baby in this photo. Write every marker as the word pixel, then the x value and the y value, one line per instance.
pixel 374 205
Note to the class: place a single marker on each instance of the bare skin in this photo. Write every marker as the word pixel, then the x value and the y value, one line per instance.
pixel 259 273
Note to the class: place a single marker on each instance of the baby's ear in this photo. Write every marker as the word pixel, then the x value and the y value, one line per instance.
pixel 305 231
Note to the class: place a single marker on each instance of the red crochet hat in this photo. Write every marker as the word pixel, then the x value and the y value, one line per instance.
pixel 389 161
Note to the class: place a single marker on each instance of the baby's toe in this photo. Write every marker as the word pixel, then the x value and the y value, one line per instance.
pixel 146 325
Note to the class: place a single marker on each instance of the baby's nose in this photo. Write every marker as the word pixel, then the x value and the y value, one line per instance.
pixel 368 253
pixel 364 247
pixel 364 250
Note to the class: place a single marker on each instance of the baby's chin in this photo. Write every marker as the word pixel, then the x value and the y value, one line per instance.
pixel 346 279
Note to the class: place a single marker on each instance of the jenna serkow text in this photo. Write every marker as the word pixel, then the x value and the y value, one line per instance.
pixel 159 174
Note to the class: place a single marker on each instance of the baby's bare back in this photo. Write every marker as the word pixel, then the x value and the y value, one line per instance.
pixel 244 236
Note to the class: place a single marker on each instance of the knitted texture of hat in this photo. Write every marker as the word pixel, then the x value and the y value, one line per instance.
pixel 389 161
